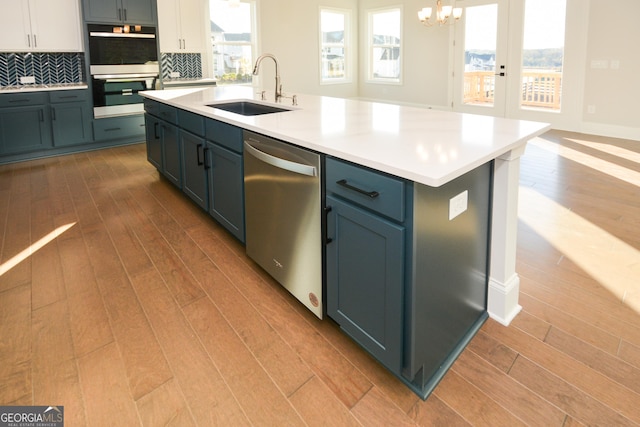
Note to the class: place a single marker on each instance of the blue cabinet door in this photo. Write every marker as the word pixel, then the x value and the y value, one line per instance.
pixel 172 166
pixel 120 11
pixel 71 123
pixel 194 173
pixel 24 129
pixel 154 141
pixel 365 279
pixel 226 188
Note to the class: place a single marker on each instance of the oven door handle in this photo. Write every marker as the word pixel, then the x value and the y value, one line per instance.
pixel 124 77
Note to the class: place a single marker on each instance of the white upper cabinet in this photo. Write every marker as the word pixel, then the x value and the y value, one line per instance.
pixel 40 26
pixel 181 26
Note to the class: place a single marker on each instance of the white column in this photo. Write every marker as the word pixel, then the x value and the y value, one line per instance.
pixel 504 283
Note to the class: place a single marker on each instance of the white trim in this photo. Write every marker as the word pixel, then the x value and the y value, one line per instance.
pixel 503 304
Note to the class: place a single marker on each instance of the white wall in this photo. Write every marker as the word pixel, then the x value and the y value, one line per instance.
pixel 425 58
pixel 290 30
pixel 613 36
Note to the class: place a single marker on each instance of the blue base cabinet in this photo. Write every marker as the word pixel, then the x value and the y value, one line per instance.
pixel 195 182
pixel 25 123
pixel 365 279
pixel 226 176
pixel 49 123
pixel 154 140
pixel 226 189
pixel 368 221
pixel 201 156
pixel 71 117
pixel 405 278
pixel 163 140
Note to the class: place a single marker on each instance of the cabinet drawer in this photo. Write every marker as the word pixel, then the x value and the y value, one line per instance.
pixel 191 122
pixel 118 127
pixel 23 99
pixel 163 111
pixel 60 96
pixel 373 190
pixel 224 134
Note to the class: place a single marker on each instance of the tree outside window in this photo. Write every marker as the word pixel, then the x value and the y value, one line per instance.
pixel 232 40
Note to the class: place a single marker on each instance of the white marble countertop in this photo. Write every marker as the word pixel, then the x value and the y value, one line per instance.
pixel 422 145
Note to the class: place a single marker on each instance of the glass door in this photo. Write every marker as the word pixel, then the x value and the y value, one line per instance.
pixel 480 64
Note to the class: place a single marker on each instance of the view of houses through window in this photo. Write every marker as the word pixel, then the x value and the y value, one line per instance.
pixel 232 40
pixel 334 38
pixel 384 45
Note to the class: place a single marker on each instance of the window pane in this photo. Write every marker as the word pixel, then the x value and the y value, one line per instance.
pixel 480 41
pixel 333 52
pixel 231 40
pixel 385 45
pixel 543 53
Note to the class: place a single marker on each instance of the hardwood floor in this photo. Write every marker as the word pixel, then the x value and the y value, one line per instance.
pixel 143 311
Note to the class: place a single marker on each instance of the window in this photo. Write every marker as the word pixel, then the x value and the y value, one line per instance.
pixel 385 45
pixel 543 54
pixel 233 41
pixel 334 50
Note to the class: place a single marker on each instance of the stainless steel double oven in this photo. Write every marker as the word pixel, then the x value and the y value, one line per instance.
pixel 123 61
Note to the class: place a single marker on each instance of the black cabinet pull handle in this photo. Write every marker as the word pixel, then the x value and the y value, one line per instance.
pixel 327 239
pixel 155 130
pixel 53 114
pixel 19 100
pixel 372 194
pixel 200 162
pixel 204 153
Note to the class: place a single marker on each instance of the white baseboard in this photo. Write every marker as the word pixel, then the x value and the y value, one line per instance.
pixel 502 303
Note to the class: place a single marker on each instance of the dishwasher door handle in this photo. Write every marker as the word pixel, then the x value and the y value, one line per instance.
pixel 288 165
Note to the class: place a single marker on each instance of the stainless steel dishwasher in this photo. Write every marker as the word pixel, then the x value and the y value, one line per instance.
pixel 283 215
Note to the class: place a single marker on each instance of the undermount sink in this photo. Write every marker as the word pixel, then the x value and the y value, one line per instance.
pixel 248 108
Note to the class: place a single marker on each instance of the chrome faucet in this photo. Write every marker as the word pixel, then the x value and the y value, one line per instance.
pixel 278 84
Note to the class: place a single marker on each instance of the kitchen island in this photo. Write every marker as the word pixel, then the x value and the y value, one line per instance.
pixel 439 241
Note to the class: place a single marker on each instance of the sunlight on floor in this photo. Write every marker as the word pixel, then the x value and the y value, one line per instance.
pixel 609 260
pixel 617 171
pixel 9 264
pixel 621 152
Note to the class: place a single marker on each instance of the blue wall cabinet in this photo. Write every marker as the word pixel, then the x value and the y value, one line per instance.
pixel 120 11
pixel 25 123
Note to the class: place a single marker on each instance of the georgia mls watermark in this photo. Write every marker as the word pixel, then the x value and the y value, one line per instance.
pixel 31 416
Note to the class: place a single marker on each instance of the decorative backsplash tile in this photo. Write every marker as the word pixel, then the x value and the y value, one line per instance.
pixel 189 65
pixel 46 68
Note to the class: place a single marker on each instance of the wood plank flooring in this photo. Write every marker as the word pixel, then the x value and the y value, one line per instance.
pixel 140 310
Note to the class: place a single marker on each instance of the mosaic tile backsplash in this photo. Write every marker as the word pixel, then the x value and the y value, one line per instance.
pixel 189 65
pixel 46 68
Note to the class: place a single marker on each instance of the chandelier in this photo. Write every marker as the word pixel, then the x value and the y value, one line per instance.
pixel 443 13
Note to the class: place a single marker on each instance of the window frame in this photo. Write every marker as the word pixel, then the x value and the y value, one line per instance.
pixel 346 45
pixel 253 44
pixel 370 47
